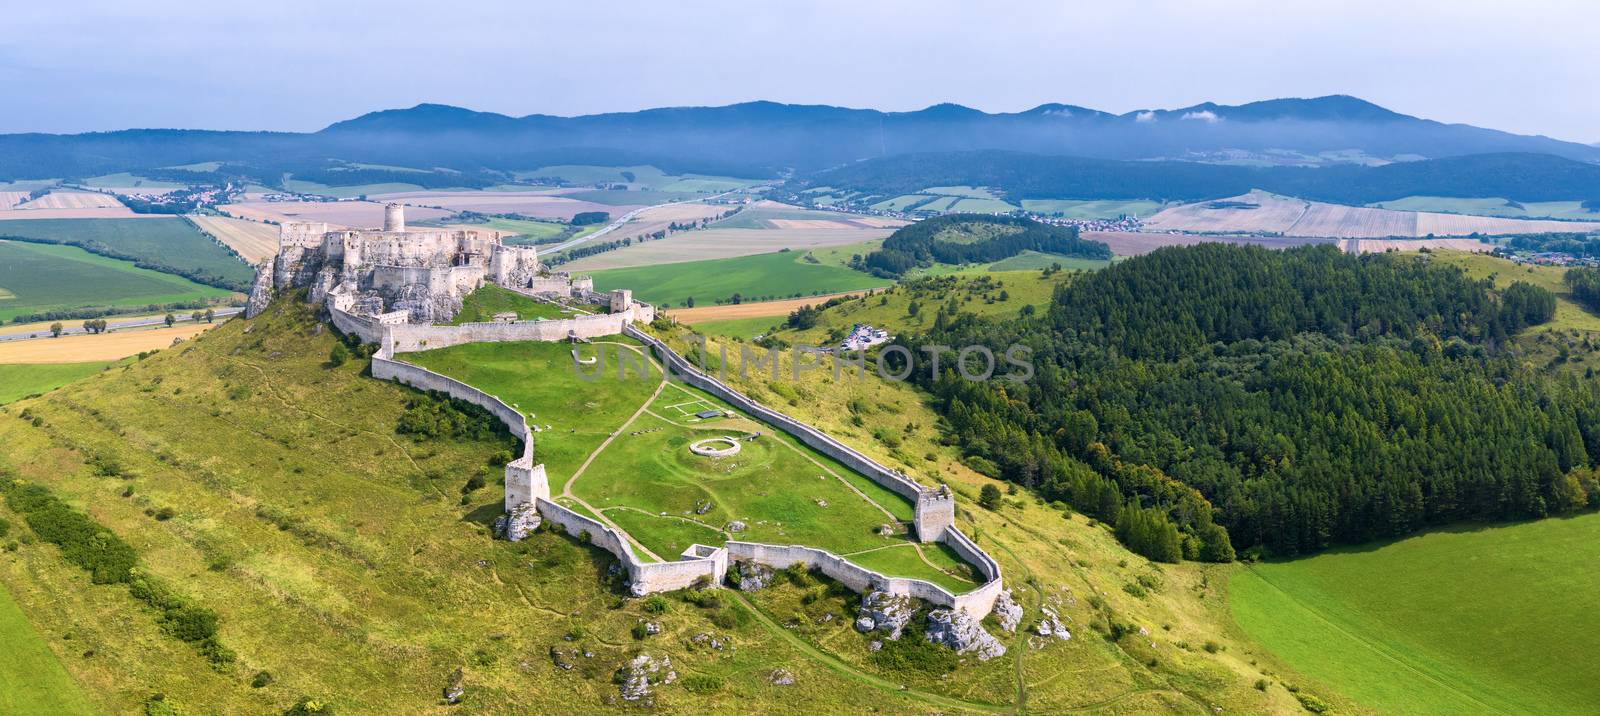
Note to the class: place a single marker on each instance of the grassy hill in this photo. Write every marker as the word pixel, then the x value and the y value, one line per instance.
pixel 19 381
pixel 1465 620
pixel 342 563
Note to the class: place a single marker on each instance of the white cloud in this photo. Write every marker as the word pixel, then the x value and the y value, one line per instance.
pixel 1145 116
pixel 1204 115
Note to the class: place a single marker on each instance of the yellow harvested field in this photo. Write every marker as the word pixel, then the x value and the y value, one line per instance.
pixel 844 222
pixel 720 244
pixel 351 214
pixel 701 314
pixel 9 199
pixel 72 200
pixel 540 204
pixel 118 212
pixel 1371 246
pixel 252 240
pixel 108 346
pixel 1259 212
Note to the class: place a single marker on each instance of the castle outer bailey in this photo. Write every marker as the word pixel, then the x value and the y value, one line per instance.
pixel 399 275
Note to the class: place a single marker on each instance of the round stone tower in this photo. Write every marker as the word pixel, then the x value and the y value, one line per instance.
pixel 394 217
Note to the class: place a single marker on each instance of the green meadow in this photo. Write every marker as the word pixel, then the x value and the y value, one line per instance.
pixel 782 274
pixel 1475 619
pixel 20 381
pixel 43 277
pixel 1493 207
pixel 647 481
pixel 31 679
pixel 171 243
pixel 481 305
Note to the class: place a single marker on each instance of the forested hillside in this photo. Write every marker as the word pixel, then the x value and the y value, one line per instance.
pixel 975 238
pixel 1310 397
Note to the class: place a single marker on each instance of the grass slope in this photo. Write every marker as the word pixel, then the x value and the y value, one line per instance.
pixel 41 277
pixel 164 241
pixel 1468 620
pixel 781 274
pixel 19 381
pixel 1565 342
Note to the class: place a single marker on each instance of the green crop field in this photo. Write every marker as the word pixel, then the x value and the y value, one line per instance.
pixel 530 231
pixel 1469 620
pixel 42 277
pixel 1092 208
pixel 20 381
pixel 646 480
pixel 1493 207
pixel 31 679
pixel 169 242
pixel 757 217
pixel 481 305
pixel 978 293
pixel 123 180
pixel 900 203
pixel 982 206
pixel 782 274
pixel 976 192
pixel 746 328
pixel 352 191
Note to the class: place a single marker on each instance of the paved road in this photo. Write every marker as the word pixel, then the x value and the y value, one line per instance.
pixel 75 327
pixel 625 218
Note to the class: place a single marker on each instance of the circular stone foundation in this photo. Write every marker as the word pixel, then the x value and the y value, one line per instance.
pixel 715 447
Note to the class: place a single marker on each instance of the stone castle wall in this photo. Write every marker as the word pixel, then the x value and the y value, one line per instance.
pixel 417 337
pixel 977 602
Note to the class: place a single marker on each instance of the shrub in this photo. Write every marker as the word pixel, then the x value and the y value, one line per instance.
pixel 338 355
pixel 702 684
pixel 1212 647
pixel 262 679
pixel 640 631
pixel 308 706
pixel 1261 684
pixel 1135 590
pixel 989 497
pixel 913 653
pixel 655 604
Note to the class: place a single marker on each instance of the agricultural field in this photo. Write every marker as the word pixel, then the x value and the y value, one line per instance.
pixel 61 204
pixel 1474 619
pixel 348 214
pixel 167 241
pixel 781 274
pixel 489 299
pixel 541 204
pixel 717 243
pixel 1262 213
pixel 619 447
pixel 33 678
pixel 901 203
pixel 253 241
pixel 1092 208
pixel 983 293
pixel 1034 260
pixel 1567 210
pixel 352 191
pixel 639 178
pixel 531 232
pixel 982 206
pixel 21 380
pixel 40 277
pixel 113 345
pixel 125 183
pixel 766 214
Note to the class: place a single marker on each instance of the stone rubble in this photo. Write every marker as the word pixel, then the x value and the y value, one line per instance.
pixel 781 677
pixel 959 631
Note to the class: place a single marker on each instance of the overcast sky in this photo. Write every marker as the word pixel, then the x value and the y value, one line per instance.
pixel 1530 67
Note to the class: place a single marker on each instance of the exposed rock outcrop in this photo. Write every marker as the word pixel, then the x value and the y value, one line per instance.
pixel 751 576
pixel 781 677
pixel 1007 612
pixel 1051 625
pixel 959 631
pixel 260 291
pixel 640 677
pixel 885 612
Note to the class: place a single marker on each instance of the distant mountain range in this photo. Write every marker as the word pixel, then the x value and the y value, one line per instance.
pixel 767 139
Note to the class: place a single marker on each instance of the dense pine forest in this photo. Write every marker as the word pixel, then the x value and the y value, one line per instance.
pixel 1300 399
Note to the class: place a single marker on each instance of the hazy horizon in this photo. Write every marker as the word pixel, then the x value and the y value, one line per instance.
pixel 297 66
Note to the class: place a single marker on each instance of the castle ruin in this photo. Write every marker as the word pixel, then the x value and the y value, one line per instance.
pixel 396 275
